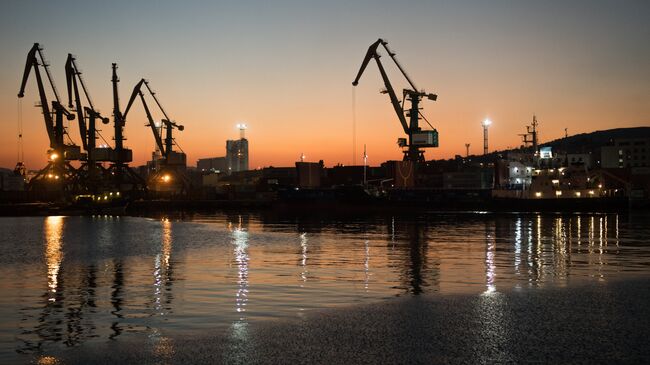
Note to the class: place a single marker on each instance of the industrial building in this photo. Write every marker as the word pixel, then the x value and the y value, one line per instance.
pixel 212 165
pixel 236 159
pixel 628 152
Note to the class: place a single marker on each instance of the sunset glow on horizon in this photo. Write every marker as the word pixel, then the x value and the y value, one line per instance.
pixel 285 70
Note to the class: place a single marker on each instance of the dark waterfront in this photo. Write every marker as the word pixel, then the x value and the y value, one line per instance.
pixel 258 287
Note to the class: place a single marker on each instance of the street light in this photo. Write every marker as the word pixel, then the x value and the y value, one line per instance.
pixel 486 123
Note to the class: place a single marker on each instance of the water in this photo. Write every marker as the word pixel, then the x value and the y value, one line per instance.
pixel 74 281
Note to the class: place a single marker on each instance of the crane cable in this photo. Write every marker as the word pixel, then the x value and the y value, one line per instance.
pixel 177 145
pixel 354 126
pixel 102 137
pixel 21 152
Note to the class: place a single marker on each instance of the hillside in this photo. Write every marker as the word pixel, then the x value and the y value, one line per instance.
pixel 592 141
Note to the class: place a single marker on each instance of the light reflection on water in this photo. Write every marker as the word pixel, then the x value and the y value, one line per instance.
pixel 71 280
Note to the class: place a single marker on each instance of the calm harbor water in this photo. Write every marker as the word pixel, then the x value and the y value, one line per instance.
pixel 74 281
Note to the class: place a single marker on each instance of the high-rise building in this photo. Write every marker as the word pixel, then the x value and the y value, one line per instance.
pixel 237 155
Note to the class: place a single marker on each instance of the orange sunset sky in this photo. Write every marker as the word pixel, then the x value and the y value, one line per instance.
pixel 285 68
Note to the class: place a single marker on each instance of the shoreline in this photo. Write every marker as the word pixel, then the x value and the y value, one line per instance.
pixel 547 325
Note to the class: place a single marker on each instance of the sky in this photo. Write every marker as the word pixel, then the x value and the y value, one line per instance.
pixel 285 69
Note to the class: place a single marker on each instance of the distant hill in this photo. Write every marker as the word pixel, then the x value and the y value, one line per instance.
pixel 584 142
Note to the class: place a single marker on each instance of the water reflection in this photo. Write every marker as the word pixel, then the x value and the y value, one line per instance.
pixel 239 327
pixel 53 253
pixel 240 253
pixel 162 274
pixel 303 258
pixel 116 298
pixel 366 264
pixel 103 277
pixel 411 256
pixel 490 265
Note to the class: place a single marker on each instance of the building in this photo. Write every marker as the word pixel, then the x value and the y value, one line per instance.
pixel 468 179
pixel 212 165
pixel 237 155
pixel 580 160
pixel 626 153
pixel 236 159
pixel 10 181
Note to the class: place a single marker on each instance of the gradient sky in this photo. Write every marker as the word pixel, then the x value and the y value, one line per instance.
pixel 285 68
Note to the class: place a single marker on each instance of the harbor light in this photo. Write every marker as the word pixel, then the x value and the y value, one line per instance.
pixel 578 194
pixel 242 130
pixel 486 123
pixel 166 178
pixel 54 156
pixel 558 193
pixel 538 194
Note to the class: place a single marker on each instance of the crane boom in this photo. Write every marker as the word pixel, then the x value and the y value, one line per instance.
pixel 71 81
pixel 32 62
pixel 166 147
pixel 86 130
pixel 152 124
pixel 373 54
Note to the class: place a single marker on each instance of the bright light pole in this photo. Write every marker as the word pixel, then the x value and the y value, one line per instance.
pixel 242 130
pixel 486 123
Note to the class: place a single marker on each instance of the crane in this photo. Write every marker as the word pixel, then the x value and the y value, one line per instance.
pixel 172 161
pixel 417 138
pixel 123 176
pixel 58 167
pixel 88 131
pixel 166 148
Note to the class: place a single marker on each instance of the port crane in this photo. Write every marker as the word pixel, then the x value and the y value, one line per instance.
pixel 417 137
pixel 123 177
pixel 91 169
pixel 59 173
pixel 172 164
